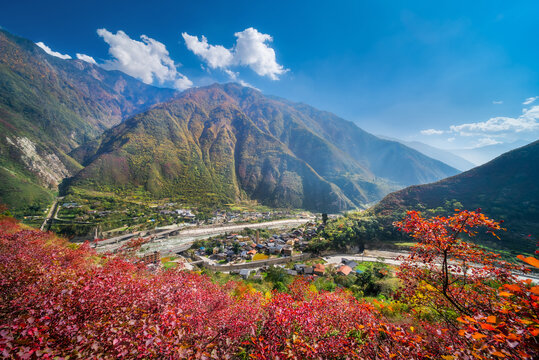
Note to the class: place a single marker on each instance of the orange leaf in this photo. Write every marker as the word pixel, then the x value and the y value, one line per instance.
pixel 498 354
pixel 535 331
pixel 487 327
pixel 535 290
pixel 506 294
pixel 478 336
pixel 491 319
pixel 512 287
pixel 529 260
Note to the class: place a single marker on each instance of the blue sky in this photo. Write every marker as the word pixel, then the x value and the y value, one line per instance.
pixel 453 74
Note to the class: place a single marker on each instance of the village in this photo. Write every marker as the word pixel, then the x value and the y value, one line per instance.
pixel 237 248
pixel 84 217
pixel 128 216
pixel 270 259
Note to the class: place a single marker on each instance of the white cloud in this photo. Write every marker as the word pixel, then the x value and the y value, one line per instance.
pixel 451 139
pixel 246 84
pixel 497 102
pixel 147 60
pixel 86 58
pixel 251 50
pixel 233 75
pixel 525 122
pixel 529 100
pixel 182 82
pixel 216 56
pixel 49 51
pixel 431 132
pixel 486 141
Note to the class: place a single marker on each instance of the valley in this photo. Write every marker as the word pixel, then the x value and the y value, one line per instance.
pixel 157 209
pixel 174 239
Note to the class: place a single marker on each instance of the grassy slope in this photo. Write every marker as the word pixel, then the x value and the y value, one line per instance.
pixel 226 142
pixel 56 105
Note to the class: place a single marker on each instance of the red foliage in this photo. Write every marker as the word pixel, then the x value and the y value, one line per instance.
pixel 56 301
pixel 59 301
pixel 498 313
pixel 8 225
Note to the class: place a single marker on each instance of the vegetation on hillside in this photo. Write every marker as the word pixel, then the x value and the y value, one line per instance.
pixel 48 107
pixel 356 231
pixel 62 300
pixel 224 143
pixel 506 188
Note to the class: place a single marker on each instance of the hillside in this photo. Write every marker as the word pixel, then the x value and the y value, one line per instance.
pixel 48 107
pixel 226 142
pixel 444 156
pixel 505 188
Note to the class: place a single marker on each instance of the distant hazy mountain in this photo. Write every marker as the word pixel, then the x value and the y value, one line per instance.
pixel 505 188
pixel 48 107
pixel 444 156
pixel 484 154
pixel 228 142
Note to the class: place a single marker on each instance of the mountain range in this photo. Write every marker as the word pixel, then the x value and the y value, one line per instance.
pixel 231 142
pixel 48 107
pixel 444 156
pixel 505 188
pixel 483 154
pixel 222 143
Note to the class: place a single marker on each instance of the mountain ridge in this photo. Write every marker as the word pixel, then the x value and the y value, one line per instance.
pixel 48 107
pixel 446 156
pixel 65 119
pixel 275 151
pixel 505 188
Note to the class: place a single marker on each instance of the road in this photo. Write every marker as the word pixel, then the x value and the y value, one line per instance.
pixel 391 258
pixel 52 213
pixel 186 236
pixel 387 257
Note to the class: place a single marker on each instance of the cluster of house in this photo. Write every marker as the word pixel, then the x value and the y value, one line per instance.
pixel 299 269
pixel 224 216
pixel 183 213
pixel 74 205
pixel 70 205
pixel 302 269
pixel 347 267
pixel 237 247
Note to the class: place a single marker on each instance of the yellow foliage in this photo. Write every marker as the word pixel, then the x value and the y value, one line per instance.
pixel 260 257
